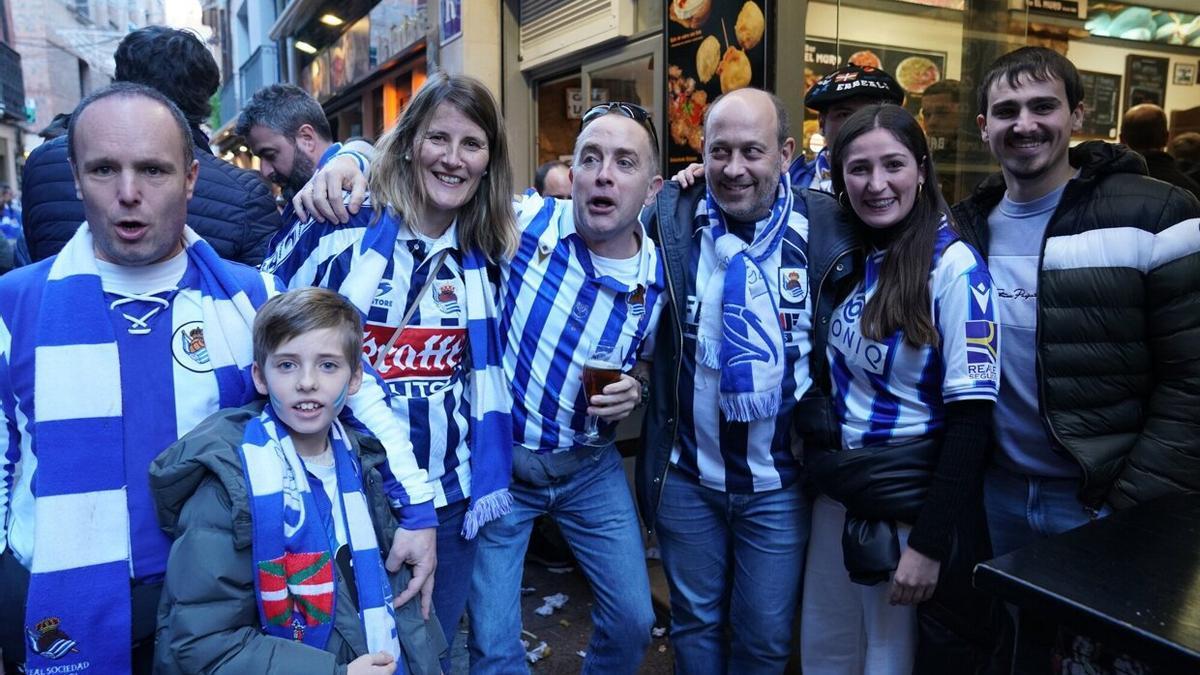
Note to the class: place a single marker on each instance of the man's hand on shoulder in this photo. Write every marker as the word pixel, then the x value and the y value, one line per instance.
pixel 321 197
pixel 689 176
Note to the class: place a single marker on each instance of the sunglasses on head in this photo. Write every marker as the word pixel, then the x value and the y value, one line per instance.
pixel 633 111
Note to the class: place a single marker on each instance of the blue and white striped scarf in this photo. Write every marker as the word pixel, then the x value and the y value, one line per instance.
pixel 743 339
pixel 490 398
pixel 294 578
pixel 79 598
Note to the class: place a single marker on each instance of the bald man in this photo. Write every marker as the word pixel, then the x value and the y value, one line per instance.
pixel 1144 130
pixel 717 479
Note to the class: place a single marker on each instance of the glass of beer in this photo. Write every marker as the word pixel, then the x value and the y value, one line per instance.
pixel 602 368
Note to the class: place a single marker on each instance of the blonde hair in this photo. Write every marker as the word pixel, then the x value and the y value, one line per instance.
pixel 486 222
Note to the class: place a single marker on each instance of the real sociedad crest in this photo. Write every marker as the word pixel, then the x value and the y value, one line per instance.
pixel 637 301
pixel 189 349
pixel 48 640
pixel 447 297
pixel 793 284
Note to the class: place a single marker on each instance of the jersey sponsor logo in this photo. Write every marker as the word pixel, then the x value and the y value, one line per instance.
pixel 793 285
pixel 420 353
pixel 447 297
pixel 982 341
pixel 858 350
pixel 188 347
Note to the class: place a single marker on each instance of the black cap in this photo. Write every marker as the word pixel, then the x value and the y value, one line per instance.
pixel 851 81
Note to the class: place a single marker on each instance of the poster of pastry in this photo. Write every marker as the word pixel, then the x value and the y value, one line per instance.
pixel 713 47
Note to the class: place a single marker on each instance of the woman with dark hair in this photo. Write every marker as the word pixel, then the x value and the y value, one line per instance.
pixel 420 262
pixel 914 370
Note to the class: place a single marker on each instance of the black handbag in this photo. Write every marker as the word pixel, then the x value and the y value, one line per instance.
pixel 879 485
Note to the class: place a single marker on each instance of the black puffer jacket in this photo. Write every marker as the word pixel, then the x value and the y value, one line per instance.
pixel 232 208
pixel 1118 335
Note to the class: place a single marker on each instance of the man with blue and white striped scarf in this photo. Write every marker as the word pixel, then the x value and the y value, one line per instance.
pixel 109 352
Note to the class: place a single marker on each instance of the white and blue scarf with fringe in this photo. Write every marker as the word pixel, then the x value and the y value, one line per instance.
pixel 739 332
pixel 79 612
pixel 294 567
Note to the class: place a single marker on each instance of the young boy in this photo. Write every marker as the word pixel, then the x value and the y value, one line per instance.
pixel 279 518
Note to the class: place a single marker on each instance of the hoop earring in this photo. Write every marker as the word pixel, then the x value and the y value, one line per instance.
pixel 919 186
pixel 842 201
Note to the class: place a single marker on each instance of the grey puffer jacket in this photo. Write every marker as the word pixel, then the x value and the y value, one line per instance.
pixel 208 618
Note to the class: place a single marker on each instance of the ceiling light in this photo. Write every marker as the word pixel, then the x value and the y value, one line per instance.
pixel 305 47
pixel 331 20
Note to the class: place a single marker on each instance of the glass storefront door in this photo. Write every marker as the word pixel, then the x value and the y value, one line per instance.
pixel 632 74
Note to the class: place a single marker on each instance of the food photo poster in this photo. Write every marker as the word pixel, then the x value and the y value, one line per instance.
pixel 713 47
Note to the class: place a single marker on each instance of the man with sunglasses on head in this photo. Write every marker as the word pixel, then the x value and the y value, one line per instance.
pixel 717 479
pixel 586 283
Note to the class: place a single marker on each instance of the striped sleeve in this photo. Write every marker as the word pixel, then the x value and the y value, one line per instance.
pixel 965 312
pixel 404 481
pixel 300 257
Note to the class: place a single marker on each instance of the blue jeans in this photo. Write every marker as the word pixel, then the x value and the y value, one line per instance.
pixel 595 511
pixel 732 561
pixel 1022 509
pixel 456 558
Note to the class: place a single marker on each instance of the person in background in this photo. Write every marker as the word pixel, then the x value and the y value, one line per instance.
pixel 553 179
pixel 13 252
pixel 233 209
pixel 287 130
pixel 1185 148
pixel 836 97
pixel 913 354
pixel 1095 268
pixel 420 262
pixel 227 481
pixel 584 285
pixel 941 116
pixel 1144 130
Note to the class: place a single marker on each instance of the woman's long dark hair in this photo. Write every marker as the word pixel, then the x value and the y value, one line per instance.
pixel 901 299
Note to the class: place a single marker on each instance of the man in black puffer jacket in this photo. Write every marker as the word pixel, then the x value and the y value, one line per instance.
pixel 1097 272
pixel 232 208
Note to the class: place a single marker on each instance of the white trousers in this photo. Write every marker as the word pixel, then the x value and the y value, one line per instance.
pixel 847 628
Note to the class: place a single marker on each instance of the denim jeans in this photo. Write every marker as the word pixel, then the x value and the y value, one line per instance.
pixel 732 561
pixel 1021 509
pixel 595 511
pixel 456 558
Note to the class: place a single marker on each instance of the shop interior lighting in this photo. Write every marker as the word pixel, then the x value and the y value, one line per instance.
pixel 331 20
pixel 305 47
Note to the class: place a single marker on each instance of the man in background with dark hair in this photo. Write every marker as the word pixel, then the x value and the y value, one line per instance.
pixel 1144 130
pixel 553 179
pixel 288 131
pixel 233 209
pixel 1096 272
